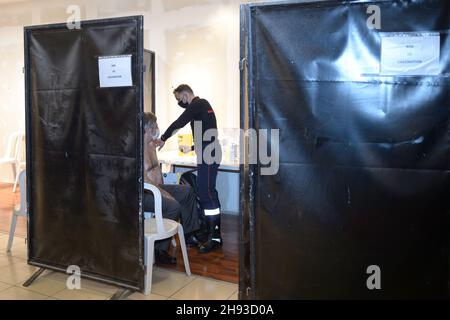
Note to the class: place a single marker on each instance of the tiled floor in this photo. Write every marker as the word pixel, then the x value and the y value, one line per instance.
pixel 222 264
pixel 167 284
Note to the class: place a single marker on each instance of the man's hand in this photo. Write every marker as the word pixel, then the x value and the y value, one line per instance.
pixel 147 139
pixel 159 143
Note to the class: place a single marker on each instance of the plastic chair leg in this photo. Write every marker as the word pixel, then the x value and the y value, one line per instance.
pixel 184 250
pixel 16 183
pixel 174 243
pixel 149 254
pixel 15 174
pixel 12 230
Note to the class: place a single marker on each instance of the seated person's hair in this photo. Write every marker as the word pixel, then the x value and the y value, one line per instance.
pixel 150 120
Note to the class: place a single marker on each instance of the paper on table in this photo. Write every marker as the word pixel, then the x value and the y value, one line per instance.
pixel 410 54
pixel 115 71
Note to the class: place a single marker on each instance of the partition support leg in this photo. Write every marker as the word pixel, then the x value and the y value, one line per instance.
pixel 121 294
pixel 33 277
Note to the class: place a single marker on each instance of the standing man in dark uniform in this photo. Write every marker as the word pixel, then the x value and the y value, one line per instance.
pixel 200 111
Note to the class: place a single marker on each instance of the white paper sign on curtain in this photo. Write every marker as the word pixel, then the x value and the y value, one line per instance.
pixel 410 54
pixel 115 71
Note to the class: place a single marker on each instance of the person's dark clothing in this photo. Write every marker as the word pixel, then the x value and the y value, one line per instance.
pixel 198 110
pixel 201 110
pixel 206 186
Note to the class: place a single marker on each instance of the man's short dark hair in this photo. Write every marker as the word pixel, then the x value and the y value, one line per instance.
pixel 183 88
pixel 150 120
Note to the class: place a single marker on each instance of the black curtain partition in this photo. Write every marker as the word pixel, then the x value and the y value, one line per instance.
pixel 84 151
pixel 364 175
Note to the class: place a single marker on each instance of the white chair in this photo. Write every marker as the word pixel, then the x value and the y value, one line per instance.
pixel 158 228
pixel 18 211
pixel 14 155
pixel 21 163
pixel 171 178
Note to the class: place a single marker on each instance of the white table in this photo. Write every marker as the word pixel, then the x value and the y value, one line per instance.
pixel 173 159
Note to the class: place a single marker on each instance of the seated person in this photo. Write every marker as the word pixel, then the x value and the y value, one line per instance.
pixel 178 201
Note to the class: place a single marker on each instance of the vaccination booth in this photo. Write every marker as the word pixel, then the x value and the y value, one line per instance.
pixel 358 90
pixel 360 205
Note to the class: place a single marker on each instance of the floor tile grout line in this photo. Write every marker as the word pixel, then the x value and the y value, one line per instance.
pixel 29 290
pixel 53 295
pixel 156 294
pixel 233 294
pixel 97 291
pixel 205 279
pixel 218 281
pixel 93 291
pixel 194 278
pixel 8 287
pixel 90 291
pixel 13 262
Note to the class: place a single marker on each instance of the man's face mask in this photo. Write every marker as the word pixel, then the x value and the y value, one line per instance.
pixel 183 104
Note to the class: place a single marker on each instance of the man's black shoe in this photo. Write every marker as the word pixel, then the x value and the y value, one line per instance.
pixel 214 241
pixel 162 257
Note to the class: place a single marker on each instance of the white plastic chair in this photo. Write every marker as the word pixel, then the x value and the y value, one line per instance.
pixel 20 159
pixel 171 178
pixel 158 228
pixel 18 211
pixel 14 155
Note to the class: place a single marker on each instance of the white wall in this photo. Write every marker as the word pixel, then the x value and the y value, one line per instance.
pixel 196 42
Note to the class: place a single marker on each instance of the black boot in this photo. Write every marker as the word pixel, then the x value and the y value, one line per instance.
pixel 202 233
pixel 214 237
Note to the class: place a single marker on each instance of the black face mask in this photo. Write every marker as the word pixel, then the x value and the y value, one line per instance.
pixel 182 104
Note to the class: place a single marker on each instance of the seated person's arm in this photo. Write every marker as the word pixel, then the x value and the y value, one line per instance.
pixel 152 170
